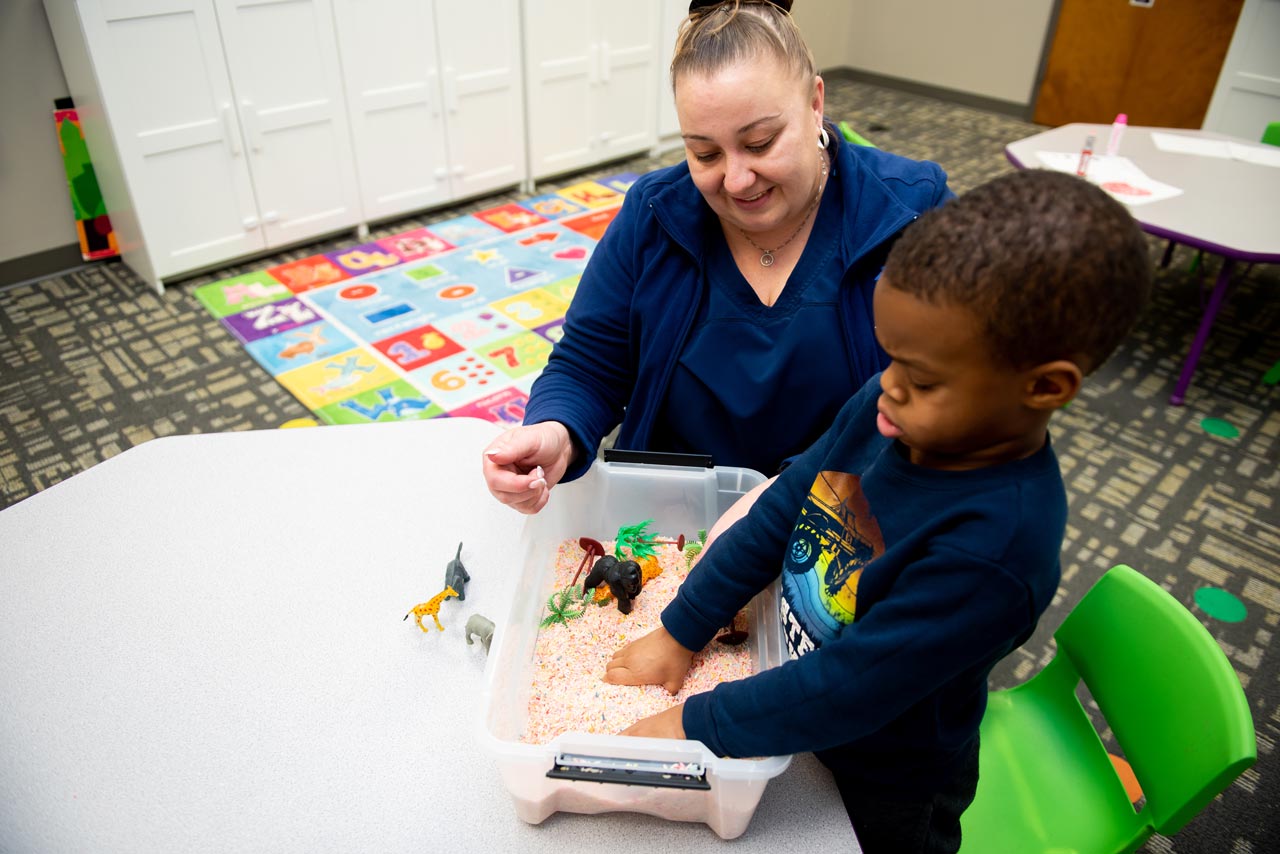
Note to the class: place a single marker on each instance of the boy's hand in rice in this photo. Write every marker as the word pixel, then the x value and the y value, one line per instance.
pixel 668 724
pixel 655 659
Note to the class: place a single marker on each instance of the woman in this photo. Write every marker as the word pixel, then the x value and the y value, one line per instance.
pixel 727 309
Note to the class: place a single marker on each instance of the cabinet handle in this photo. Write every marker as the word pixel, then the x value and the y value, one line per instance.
pixel 271 217
pixel 230 129
pixel 593 65
pixel 450 89
pixel 604 62
pixel 250 119
pixel 250 223
pixel 459 170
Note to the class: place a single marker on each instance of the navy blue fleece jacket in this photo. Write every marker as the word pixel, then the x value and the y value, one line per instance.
pixel 632 313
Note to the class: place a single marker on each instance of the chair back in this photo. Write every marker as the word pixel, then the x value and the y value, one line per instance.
pixel 1271 134
pixel 1166 689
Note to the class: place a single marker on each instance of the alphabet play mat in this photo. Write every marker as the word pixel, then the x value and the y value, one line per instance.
pixel 454 319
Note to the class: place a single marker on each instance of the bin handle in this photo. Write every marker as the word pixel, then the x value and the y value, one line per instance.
pixel 630 772
pixel 657 458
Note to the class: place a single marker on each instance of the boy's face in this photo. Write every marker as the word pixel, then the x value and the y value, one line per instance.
pixel 943 396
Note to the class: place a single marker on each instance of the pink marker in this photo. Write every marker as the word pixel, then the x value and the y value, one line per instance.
pixel 1117 131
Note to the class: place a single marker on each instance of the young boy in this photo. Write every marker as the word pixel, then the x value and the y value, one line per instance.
pixel 918 539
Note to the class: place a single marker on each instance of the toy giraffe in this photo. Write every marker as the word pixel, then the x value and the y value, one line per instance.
pixel 432 607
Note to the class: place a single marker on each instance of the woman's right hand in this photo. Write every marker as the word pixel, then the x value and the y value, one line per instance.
pixel 522 464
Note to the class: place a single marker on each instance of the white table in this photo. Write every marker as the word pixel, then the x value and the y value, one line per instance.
pixel 201 649
pixel 1228 207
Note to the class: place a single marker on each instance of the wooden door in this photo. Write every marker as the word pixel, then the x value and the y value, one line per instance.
pixel 283 59
pixel 391 69
pixel 1157 61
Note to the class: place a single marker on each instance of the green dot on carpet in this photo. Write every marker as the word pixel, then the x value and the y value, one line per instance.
pixel 1272 376
pixel 1218 427
pixel 1220 604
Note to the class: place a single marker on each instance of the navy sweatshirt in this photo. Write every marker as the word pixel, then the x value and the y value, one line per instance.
pixel 902 587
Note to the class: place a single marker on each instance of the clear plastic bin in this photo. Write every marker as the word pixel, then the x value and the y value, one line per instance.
pixel 585 773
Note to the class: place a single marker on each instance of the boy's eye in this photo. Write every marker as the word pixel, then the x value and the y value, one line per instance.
pixel 921 386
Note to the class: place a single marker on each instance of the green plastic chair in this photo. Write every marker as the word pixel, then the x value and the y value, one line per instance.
pixel 851 135
pixel 1174 703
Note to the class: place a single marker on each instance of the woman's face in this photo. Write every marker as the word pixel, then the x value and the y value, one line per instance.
pixel 750 133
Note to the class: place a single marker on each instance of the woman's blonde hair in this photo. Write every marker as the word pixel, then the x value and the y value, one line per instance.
pixel 714 37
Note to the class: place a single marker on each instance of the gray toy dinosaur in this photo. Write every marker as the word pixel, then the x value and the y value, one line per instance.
pixel 456 575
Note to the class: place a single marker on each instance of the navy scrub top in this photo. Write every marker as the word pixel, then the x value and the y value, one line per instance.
pixel 758 384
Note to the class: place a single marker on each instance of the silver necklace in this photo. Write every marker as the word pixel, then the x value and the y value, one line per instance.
pixel 766 255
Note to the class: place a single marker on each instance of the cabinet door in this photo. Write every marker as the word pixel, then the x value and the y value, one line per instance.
pixel 625 108
pixel 390 65
pixel 673 14
pixel 283 57
pixel 169 104
pixel 562 64
pixel 482 81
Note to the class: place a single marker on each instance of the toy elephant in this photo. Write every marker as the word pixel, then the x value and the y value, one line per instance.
pixel 481 628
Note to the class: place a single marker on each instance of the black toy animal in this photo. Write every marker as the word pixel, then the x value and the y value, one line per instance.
pixel 456 575
pixel 623 578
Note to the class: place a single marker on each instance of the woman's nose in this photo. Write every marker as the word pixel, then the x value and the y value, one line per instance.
pixel 738 175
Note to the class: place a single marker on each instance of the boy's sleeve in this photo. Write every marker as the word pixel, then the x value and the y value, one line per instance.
pixel 954 613
pixel 747 557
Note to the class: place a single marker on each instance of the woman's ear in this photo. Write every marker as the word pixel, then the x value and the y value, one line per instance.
pixel 1053 385
pixel 819 97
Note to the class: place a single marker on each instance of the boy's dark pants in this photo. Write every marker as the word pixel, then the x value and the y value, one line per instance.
pixel 923 826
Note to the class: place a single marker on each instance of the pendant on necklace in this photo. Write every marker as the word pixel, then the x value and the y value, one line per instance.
pixel 766 260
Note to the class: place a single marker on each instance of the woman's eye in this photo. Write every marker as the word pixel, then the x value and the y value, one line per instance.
pixel 760 147
pixel 705 158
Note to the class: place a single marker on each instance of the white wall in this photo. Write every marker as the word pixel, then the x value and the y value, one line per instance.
pixel 1247 97
pixel 35 207
pixel 990 48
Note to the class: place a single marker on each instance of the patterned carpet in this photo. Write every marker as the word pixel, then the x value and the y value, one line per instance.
pixel 93 362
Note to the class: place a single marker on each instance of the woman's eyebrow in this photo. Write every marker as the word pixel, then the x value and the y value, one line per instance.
pixel 747 128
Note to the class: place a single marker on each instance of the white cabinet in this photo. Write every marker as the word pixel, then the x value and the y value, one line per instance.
pixel 216 129
pixel 437 111
pixel 592 69
pixel 673 14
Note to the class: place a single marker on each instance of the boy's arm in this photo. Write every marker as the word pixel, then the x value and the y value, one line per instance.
pixel 954 613
pixel 747 557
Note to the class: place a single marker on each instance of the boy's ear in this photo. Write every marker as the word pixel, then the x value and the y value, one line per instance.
pixel 1053 385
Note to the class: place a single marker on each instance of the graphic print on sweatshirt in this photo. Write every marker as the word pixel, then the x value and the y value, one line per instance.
pixel 835 537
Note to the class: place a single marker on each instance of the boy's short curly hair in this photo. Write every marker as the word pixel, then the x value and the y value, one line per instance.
pixel 1054 267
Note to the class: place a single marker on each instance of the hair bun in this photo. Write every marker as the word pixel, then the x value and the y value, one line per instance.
pixel 707 5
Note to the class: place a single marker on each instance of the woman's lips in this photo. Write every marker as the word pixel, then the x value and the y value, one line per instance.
pixel 886 427
pixel 752 203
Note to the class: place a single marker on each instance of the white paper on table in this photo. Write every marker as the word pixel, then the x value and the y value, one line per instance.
pixel 1119 176
pixel 1181 144
pixel 1262 155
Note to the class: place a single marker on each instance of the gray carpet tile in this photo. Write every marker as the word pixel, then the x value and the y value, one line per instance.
pixel 93 362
